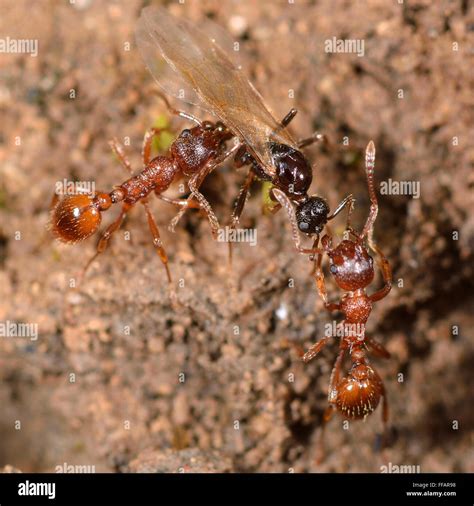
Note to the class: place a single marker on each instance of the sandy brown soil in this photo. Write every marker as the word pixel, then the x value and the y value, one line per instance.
pixel 206 387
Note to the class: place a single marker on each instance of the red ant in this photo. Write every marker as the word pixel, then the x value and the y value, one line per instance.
pixel 358 394
pixel 194 153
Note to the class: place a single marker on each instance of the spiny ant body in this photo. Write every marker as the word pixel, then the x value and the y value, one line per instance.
pixel 359 393
pixel 193 154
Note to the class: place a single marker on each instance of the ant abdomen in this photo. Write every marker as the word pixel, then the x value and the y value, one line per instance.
pixel 358 394
pixel 76 217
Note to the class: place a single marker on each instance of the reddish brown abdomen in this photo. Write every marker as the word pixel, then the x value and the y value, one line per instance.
pixel 75 218
pixel 359 394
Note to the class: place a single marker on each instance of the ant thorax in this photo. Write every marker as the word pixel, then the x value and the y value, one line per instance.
pixel 356 306
pixel 196 146
pixel 293 172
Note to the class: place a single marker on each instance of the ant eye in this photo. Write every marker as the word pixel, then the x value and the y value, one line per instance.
pixel 186 132
pixel 303 226
pixel 333 269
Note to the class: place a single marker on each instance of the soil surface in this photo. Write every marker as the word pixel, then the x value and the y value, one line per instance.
pixel 121 380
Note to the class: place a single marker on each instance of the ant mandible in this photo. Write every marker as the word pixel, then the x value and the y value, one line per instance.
pixel 358 394
pixel 195 153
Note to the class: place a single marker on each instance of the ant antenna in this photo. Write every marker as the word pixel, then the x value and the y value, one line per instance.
pixel 374 208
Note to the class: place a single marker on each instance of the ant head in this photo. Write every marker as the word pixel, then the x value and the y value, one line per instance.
pixel 294 173
pixel 351 265
pixel 76 217
pixel 217 130
pixel 242 157
pixel 222 131
pixel 359 393
pixel 312 215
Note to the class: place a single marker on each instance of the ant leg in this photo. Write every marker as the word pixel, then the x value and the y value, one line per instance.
pixel 199 178
pixel 239 206
pixel 335 376
pixel 192 204
pixel 350 210
pixel 386 273
pixel 288 118
pixel 242 198
pixel 316 261
pixel 332 396
pixel 176 112
pixel 157 243
pixel 146 146
pixel 286 203
pixel 376 348
pixel 105 238
pixel 117 148
pixel 346 202
pixel 385 418
pixel 275 208
pixel 314 350
pixel 194 183
pixel 316 137
pixel 321 286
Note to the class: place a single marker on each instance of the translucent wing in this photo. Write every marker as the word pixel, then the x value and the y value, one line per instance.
pixel 204 75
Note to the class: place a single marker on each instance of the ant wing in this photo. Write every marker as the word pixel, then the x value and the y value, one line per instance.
pixel 170 80
pixel 205 75
pixel 165 73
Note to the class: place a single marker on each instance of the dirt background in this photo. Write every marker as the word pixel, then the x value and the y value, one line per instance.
pixel 129 408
